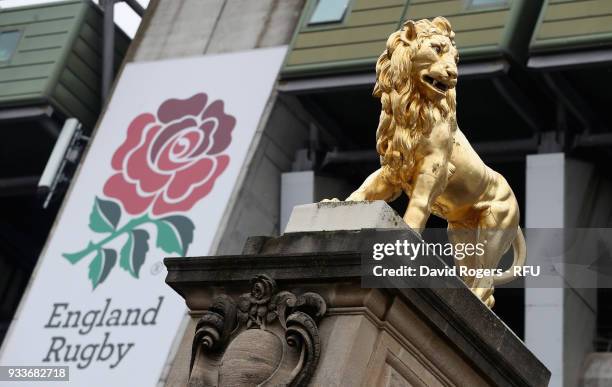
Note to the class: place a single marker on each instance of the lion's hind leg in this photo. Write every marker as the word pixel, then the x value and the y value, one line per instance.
pixel 466 237
pixel 462 235
pixel 496 231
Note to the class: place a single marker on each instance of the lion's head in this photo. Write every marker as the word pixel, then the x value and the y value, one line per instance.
pixel 415 79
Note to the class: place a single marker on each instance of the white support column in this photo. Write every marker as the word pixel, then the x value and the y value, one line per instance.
pixel 296 188
pixel 560 322
pixel 306 187
pixel 544 202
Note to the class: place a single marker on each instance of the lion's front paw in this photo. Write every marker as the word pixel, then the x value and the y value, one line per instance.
pixel 330 200
pixel 356 197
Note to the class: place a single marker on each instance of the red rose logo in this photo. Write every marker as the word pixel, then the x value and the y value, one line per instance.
pixel 171 160
pixel 167 163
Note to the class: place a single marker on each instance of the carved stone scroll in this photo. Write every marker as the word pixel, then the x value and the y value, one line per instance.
pixel 265 338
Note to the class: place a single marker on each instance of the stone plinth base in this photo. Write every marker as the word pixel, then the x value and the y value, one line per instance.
pixel 291 311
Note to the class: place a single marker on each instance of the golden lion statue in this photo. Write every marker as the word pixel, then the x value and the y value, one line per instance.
pixel 424 154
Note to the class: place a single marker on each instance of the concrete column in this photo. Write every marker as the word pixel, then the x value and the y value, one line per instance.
pixel 296 188
pixel 544 202
pixel 306 187
pixel 560 322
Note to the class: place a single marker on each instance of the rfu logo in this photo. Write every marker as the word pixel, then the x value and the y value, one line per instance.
pixel 526 271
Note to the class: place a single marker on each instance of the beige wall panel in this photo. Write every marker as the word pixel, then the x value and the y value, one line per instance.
pixel 380 33
pixel 27 72
pixel 346 35
pixel 592 8
pixel 374 16
pixel 479 38
pixel 30 57
pixel 442 8
pixel 369 4
pixel 19 87
pixel 575 27
pixel 472 21
pixel 362 50
pixel 336 53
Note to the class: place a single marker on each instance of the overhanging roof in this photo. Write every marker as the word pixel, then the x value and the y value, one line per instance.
pixel 367 79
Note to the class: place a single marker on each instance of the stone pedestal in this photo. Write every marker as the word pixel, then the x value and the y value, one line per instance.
pixel 291 311
pixel 335 216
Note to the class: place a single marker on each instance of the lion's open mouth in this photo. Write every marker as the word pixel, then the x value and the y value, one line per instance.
pixel 438 85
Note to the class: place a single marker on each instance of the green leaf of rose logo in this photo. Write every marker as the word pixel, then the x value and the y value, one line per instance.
pixel 104 216
pixel 134 252
pixel 167 163
pixel 101 265
pixel 174 234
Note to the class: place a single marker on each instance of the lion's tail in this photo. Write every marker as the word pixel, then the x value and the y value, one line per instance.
pixel 520 255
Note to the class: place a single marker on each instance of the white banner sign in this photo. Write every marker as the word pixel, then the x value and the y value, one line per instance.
pixel 155 183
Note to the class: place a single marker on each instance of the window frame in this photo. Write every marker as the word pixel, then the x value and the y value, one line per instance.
pixel 496 4
pixel 313 8
pixel 19 31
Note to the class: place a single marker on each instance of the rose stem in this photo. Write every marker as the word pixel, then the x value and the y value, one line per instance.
pixel 93 247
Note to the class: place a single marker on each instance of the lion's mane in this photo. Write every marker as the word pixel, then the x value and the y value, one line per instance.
pixel 406 114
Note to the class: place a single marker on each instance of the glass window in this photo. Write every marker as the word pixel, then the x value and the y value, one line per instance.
pixel 8 44
pixel 486 3
pixel 328 11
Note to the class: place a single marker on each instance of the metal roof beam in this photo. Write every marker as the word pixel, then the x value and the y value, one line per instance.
pixel 519 103
pixel 18 186
pixel 313 85
pixel 485 149
pixel 108 47
pixel 25 113
pixel 570 59
pixel 366 80
pixel 572 100
pixel 325 123
pixel 593 140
